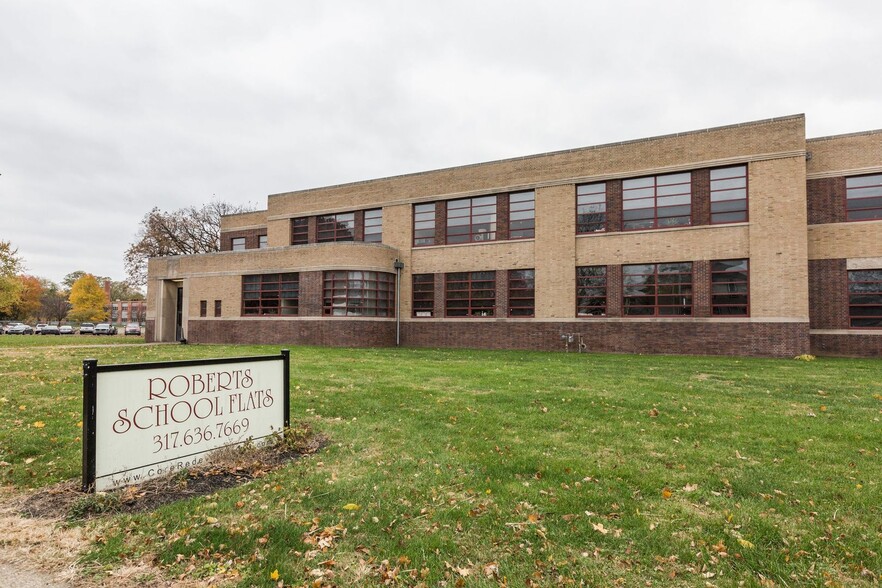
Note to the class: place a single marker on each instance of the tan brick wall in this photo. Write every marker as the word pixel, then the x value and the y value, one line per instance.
pixel 845 240
pixel 778 241
pixel 555 252
pixel 855 152
pixel 246 220
pixel 705 242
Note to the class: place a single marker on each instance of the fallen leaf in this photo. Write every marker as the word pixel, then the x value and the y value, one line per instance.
pixel 351 506
pixel 599 528
pixel 745 543
pixel 39 425
pixel 274 575
pixel 666 493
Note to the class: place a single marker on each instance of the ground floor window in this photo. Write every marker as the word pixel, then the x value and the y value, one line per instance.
pixel 865 299
pixel 657 289
pixel 730 288
pixel 522 292
pixel 470 294
pixel 423 295
pixel 357 293
pixel 270 294
pixel 591 290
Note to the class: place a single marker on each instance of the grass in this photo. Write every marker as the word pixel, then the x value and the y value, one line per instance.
pixel 483 468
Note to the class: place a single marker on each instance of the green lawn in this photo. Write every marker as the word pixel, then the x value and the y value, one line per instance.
pixel 482 468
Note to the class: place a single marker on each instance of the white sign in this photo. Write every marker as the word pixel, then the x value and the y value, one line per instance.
pixel 150 422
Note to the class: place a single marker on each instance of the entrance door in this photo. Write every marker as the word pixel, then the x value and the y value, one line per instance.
pixel 179 315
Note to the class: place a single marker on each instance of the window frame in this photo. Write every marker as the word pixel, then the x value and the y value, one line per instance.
pixel 655 205
pixel 746 198
pixel 300 230
pixel 714 295
pixel 472 308
pixel 418 241
pixel 345 280
pixel 265 298
pixel 877 209
pixel 656 285
pixel 262 241
pixel 371 224
pixel 336 227
pixel 586 286
pixel 526 292
pixel 521 208
pixel 238 244
pixel 849 293
pixel 603 225
pixel 422 284
pixel 203 309
pixel 477 207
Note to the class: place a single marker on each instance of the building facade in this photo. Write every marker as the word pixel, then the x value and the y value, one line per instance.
pixel 747 240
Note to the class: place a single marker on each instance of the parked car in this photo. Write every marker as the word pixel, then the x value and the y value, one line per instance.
pixel 20 329
pixel 50 330
pixel 87 329
pixel 133 329
pixel 104 329
pixel 65 330
pixel 39 328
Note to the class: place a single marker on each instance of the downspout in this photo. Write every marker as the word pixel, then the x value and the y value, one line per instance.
pixel 398 267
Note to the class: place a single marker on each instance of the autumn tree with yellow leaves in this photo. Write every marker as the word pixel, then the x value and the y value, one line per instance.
pixel 88 300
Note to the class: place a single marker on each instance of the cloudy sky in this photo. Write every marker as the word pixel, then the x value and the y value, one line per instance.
pixel 108 108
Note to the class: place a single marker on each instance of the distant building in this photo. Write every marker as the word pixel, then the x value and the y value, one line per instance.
pixel 124 311
pixel 746 240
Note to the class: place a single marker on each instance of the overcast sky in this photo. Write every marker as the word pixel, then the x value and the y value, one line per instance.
pixel 108 108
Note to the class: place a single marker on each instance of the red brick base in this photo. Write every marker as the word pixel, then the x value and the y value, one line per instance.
pixel 327 332
pixel 847 345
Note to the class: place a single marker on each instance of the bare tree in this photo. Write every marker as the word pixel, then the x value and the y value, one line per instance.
pixel 181 232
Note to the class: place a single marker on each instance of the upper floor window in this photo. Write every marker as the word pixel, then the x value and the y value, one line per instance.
pixel 657 289
pixel 865 298
pixel 730 288
pixel 591 290
pixel 299 231
pixel 591 208
pixel 657 201
pixel 423 295
pixel 335 227
pixel 728 194
pixel 269 294
pixel 262 242
pixel 357 293
pixel 471 219
pixel 373 225
pixel 522 292
pixel 471 294
pixel 237 243
pixel 424 224
pixel 522 215
pixel 863 197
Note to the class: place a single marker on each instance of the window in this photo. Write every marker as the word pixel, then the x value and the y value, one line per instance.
pixel 865 299
pixel 661 289
pixel 423 295
pixel 863 197
pixel 591 208
pixel 730 289
pixel 356 293
pixel 471 294
pixel 203 308
pixel 521 292
pixel 423 224
pixel 657 201
pixel 269 294
pixel 262 242
pixel 299 231
pixel 471 220
pixel 237 243
pixel 335 227
pixel 217 308
pixel 728 194
pixel 373 225
pixel 522 215
pixel 591 290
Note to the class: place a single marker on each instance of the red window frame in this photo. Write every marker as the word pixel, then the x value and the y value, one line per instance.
pixel 270 294
pixel 730 288
pixel 863 198
pixel 423 296
pixel 590 208
pixel 522 215
pixel 218 307
pixel 470 294
pixel 728 194
pixel 358 293
pixel 522 293
pixel 300 231
pixel 653 289
pixel 373 225
pixel 424 224
pixel 591 291
pixel 471 220
pixel 652 202
pixel 331 228
pixel 203 308
pixel 864 290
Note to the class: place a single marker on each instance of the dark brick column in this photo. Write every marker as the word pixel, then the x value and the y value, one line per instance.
pixel 501 294
pixel 614 206
pixel 440 295
pixel 440 223
pixel 502 224
pixel 701 288
pixel 701 197
pixel 828 294
pixel 311 290
pixel 826 200
pixel 614 290
pixel 312 230
pixel 358 229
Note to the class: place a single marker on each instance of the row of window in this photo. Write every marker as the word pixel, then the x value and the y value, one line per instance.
pixel 863 197
pixel 472 220
pixel 865 298
pixel 345 293
pixel 340 227
pixel 238 243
